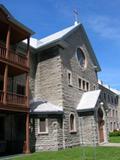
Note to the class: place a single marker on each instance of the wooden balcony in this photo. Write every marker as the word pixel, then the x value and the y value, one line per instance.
pixel 14 102
pixel 16 99
pixel 14 58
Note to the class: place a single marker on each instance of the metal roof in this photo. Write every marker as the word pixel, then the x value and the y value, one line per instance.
pixel 39 106
pixel 60 37
pixel 88 100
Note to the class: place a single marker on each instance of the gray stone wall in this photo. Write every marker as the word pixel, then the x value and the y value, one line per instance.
pixel 112 106
pixel 47 141
pixel 88 130
pixel 72 94
pixel 60 133
pixel 48 85
pixel 49 82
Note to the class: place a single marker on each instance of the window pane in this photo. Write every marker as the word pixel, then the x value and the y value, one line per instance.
pixel 20 89
pixel 81 57
pixel 87 86
pixel 69 78
pixel 83 84
pixel 72 122
pixel 42 125
pixel 79 82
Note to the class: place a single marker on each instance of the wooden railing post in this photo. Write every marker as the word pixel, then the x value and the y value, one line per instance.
pixel 6 66
pixel 5 84
pixel 8 42
pixel 28 51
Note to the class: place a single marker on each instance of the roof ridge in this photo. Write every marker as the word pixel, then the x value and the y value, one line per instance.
pixel 36 43
pixel 72 26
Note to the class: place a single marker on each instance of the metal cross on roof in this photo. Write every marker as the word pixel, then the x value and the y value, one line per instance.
pixel 75 15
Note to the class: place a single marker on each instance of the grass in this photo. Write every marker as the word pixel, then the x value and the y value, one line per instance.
pixel 102 153
pixel 114 139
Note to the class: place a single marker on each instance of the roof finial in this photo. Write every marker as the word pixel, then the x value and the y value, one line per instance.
pixel 76 16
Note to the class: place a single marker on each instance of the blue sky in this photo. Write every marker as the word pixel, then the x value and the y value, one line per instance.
pixel 101 20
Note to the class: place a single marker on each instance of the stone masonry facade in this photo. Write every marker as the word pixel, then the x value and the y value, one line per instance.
pixel 50 69
pixel 49 81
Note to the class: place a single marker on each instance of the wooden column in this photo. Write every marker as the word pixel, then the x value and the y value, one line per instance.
pixel 8 42
pixel 27 142
pixel 6 66
pixel 27 147
pixel 27 90
pixel 5 84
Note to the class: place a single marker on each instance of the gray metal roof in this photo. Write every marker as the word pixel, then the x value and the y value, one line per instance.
pixel 88 100
pixel 39 106
pixel 59 37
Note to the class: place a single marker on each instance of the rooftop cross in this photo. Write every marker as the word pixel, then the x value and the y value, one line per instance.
pixel 76 16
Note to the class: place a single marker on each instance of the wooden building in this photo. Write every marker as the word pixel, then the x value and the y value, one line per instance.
pixel 14 103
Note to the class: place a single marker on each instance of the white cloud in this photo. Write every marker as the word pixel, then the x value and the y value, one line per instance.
pixel 63 8
pixel 105 26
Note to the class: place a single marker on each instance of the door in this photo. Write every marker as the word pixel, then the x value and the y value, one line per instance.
pixel 101 131
pixel 101 125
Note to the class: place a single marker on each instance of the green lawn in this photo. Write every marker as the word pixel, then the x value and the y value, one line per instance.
pixel 102 153
pixel 114 139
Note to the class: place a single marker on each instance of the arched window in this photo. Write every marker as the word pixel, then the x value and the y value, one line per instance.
pixel 81 57
pixel 111 127
pixel 114 127
pixel 72 123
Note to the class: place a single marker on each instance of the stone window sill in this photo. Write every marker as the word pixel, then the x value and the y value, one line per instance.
pixel 43 133
pixel 70 85
pixel 73 132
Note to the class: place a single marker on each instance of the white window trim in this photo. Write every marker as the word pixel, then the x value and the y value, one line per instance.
pixel 71 83
pixel 74 130
pixel 46 122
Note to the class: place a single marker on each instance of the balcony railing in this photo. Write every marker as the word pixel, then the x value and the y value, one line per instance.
pixel 17 58
pixel 13 57
pixel 16 99
pixel 2 52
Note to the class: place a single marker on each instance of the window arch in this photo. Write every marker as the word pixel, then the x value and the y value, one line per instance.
pixel 81 57
pixel 72 123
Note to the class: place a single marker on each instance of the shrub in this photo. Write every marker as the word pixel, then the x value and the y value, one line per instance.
pixel 114 133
